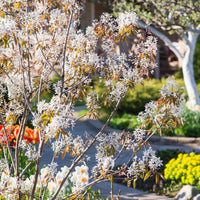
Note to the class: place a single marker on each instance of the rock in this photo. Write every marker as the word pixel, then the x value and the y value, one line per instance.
pixel 197 197
pixel 187 192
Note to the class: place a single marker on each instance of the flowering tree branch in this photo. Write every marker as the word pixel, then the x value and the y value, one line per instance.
pixel 43 43
pixel 86 150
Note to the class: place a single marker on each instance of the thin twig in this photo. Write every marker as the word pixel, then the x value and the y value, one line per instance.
pixel 28 38
pixel 119 153
pixel 8 146
pixel 24 170
pixel 71 88
pixel 26 97
pixel 40 150
pixel 19 138
pixel 6 158
pixel 64 51
pixel 40 89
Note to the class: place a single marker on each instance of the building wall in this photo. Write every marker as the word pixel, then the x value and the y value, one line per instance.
pixel 92 11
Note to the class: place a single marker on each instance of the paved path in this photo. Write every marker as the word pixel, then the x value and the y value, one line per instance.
pixel 81 128
pixel 127 193
pixel 92 127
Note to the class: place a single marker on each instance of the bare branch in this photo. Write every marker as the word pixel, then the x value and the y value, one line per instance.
pixel 26 97
pixel 24 170
pixel 19 138
pixel 40 150
pixel 7 141
pixel 64 51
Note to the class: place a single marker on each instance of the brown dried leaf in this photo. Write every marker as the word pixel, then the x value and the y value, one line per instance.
pixel 147 175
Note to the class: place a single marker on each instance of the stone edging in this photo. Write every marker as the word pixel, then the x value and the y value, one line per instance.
pixel 176 140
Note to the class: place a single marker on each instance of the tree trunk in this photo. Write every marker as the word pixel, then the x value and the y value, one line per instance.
pixel 188 71
pixel 186 61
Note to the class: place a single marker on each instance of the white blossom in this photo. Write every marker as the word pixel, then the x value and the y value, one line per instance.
pixel 126 19
pixel 80 177
pixel 139 134
pixel 155 163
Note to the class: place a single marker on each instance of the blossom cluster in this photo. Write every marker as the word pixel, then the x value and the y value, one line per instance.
pixel 147 161
pixel 167 110
pixel 126 19
pixel 49 177
pixel 53 117
pixel 107 149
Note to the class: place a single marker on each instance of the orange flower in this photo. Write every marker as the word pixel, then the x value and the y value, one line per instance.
pixel 30 135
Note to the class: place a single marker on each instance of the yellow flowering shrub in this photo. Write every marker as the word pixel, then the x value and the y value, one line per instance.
pixel 185 169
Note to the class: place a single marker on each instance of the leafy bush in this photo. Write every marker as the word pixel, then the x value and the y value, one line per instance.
pixel 191 126
pixel 136 98
pixel 185 169
pixel 126 121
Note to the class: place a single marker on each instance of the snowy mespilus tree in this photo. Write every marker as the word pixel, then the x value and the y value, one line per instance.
pixel 38 38
pixel 181 17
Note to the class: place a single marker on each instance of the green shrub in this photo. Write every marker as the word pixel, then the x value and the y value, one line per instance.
pixel 136 98
pixel 191 127
pixel 126 121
